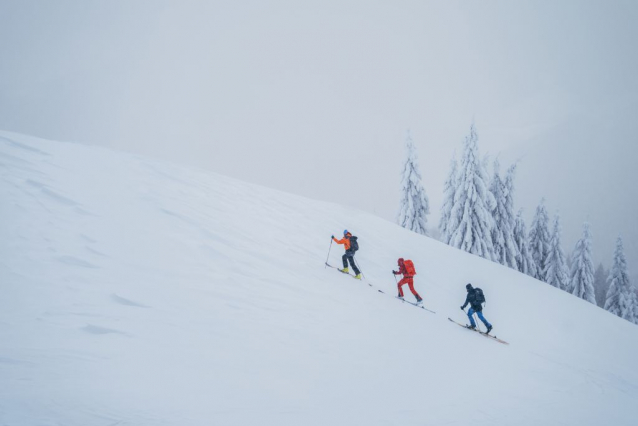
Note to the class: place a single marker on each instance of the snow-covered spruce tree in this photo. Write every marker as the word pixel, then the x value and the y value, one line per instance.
pixel 582 272
pixel 414 206
pixel 503 232
pixel 621 297
pixel 556 272
pixel 447 221
pixel 539 240
pixel 509 202
pixel 600 285
pixel 524 260
pixel 473 204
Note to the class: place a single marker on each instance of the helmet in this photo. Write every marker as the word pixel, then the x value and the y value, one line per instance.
pixel 345 232
pixel 468 286
pixel 400 261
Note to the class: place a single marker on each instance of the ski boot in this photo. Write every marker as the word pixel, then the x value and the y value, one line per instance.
pixel 489 328
pixel 419 301
pixel 358 276
pixel 471 327
pixel 345 270
pixel 400 297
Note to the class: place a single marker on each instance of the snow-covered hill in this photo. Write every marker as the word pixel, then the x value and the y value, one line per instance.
pixel 136 292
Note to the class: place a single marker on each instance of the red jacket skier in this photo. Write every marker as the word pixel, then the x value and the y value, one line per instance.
pixel 406 267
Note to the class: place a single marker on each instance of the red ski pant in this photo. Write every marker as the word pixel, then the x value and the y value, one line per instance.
pixel 410 283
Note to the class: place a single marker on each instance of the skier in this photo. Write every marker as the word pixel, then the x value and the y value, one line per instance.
pixel 406 267
pixel 475 298
pixel 351 245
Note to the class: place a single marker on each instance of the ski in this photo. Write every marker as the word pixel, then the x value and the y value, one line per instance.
pixel 413 304
pixel 346 273
pixel 380 291
pixel 479 332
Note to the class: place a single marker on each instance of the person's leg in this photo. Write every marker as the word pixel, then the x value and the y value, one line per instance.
pixel 411 285
pixel 400 285
pixel 354 265
pixel 470 315
pixel 482 318
pixel 344 258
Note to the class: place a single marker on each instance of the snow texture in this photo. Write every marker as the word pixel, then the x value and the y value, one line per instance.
pixel 138 292
pixel 539 240
pixel 556 272
pixel 471 215
pixel 582 272
pixel 621 297
pixel 414 206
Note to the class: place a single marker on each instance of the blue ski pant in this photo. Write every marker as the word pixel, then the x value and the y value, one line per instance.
pixel 349 256
pixel 470 315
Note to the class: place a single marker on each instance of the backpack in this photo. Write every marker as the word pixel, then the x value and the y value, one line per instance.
pixel 479 297
pixel 354 245
pixel 409 267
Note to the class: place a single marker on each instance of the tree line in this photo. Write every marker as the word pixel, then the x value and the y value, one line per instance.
pixel 478 216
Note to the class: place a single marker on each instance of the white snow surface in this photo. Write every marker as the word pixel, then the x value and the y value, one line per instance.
pixel 138 292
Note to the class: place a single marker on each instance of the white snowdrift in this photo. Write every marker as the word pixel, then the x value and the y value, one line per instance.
pixel 136 292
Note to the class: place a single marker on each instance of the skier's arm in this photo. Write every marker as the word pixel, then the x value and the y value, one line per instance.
pixel 467 300
pixel 341 241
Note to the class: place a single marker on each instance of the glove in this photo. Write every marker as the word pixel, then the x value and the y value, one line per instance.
pixel 332 236
pixel 394 272
pixel 462 308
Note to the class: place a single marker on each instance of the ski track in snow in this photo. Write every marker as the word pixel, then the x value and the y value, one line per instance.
pixel 138 292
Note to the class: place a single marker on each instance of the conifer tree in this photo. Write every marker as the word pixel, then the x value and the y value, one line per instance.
pixel 414 206
pixel 539 240
pixel 473 204
pixel 621 297
pixel 524 260
pixel 556 272
pixel 582 272
pixel 505 249
pixel 600 285
pixel 509 198
pixel 447 222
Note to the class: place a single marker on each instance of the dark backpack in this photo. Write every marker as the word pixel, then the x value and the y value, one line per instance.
pixel 479 297
pixel 354 245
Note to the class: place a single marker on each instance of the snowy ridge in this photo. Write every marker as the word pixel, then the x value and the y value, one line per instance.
pixel 137 292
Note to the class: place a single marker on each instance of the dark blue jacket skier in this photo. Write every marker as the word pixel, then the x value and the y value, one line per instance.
pixel 475 306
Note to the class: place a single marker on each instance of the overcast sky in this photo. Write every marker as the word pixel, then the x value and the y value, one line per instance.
pixel 315 98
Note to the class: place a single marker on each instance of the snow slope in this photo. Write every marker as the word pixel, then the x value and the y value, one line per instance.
pixel 137 292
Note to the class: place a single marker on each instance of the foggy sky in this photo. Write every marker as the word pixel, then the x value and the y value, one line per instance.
pixel 315 98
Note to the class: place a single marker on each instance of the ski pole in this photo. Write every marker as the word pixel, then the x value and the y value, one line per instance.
pixel 477 322
pixel 357 263
pixel 329 248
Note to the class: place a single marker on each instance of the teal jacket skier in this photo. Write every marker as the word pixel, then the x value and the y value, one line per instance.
pixel 475 299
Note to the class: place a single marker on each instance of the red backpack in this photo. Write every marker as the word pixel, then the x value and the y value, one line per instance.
pixel 409 267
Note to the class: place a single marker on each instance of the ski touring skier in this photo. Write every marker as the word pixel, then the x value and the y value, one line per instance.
pixel 351 245
pixel 406 267
pixel 475 299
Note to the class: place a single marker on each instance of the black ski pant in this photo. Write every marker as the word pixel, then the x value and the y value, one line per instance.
pixel 349 256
